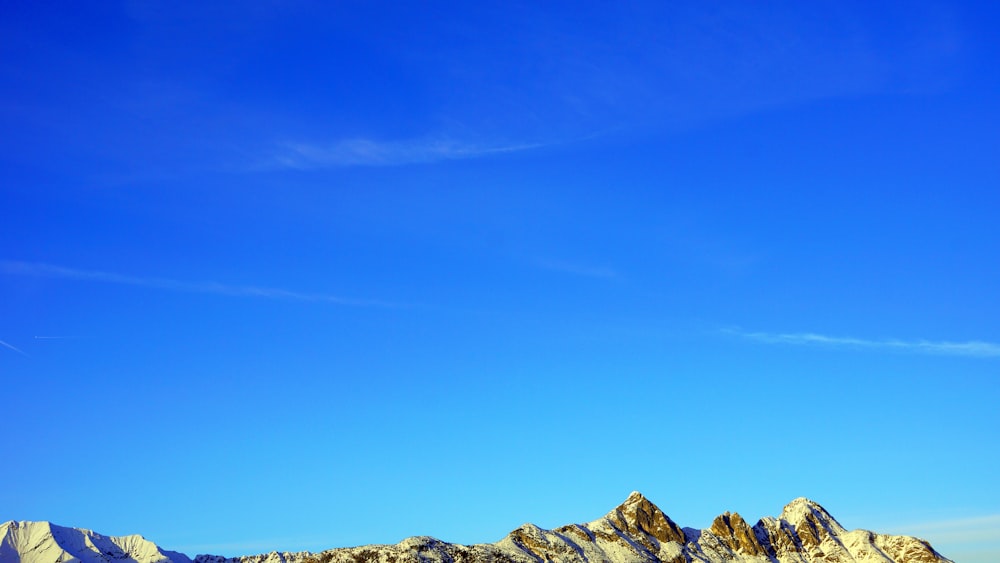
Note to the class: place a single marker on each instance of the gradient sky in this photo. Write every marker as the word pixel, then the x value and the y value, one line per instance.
pixel 296 275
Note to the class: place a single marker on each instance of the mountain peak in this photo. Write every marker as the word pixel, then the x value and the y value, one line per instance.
pixel 637 515
pixel 635 497
pixel 801 501
pixel 635 504
pixel 733 532
pixel 804 513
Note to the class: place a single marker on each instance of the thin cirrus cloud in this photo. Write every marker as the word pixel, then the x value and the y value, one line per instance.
pixel 367 152
pixel 960 530
pixel 965 539
pixel 53 271
pixel 12 347
pixel 972 348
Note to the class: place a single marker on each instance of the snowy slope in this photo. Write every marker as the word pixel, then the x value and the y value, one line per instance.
pixel 635 531
pixel 42 542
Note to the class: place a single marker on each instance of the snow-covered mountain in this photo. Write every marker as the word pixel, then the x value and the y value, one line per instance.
pixel 635 531
pixel 43 542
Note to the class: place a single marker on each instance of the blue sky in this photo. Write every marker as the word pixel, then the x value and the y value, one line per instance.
pixel 301 275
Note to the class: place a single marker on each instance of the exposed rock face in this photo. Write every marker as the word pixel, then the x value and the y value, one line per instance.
pixel 736 535
pixel 635 531
pixel 638 517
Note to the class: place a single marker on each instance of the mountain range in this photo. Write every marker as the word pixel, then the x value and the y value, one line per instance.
pixel 635 531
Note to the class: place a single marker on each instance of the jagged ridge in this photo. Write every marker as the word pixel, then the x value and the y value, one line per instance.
pixel 635 531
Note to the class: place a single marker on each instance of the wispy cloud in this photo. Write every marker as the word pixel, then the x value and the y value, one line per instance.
pixel 52 271
pixel 368 152
pixel 975 348
pixel 12 347
pixel 960 530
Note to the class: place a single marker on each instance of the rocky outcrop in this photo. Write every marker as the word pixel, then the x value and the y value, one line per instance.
pixel 636 531
pixel 736 535
pixel 638 517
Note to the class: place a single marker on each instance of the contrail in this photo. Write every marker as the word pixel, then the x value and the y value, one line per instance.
pixel 973 348
pixel 52 271
pixel 53 337
pixel 14 348
pixel 368 152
